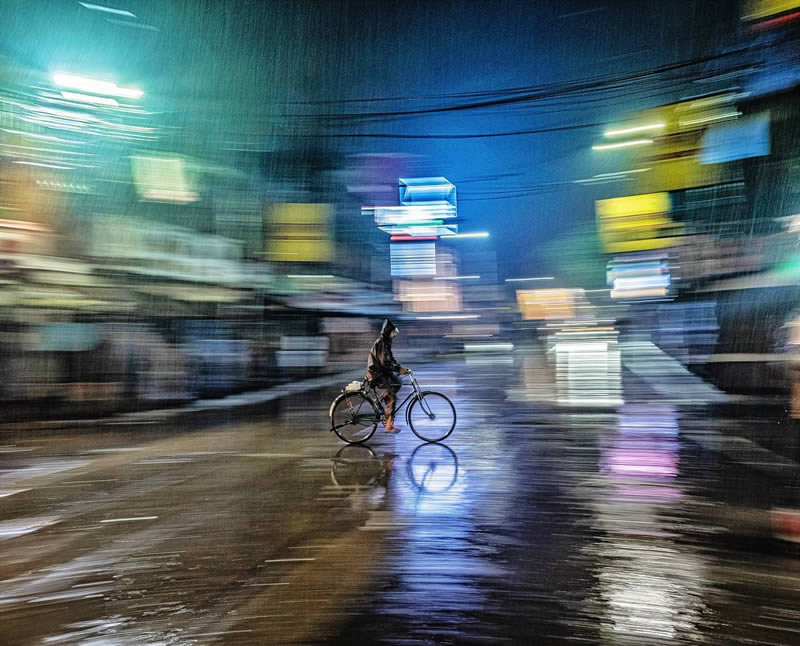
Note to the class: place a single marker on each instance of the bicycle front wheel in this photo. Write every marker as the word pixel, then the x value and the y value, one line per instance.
pixel 431 416
pixel 354 418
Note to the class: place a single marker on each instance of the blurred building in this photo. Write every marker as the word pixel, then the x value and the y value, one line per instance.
pixel 138 265
pixel 711 183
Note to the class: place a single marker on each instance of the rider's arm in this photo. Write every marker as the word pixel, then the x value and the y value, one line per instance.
pixel 396 367
pixel 393 365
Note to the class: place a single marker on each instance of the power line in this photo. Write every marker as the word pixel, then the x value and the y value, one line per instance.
pixel 477 135
pixel 510 96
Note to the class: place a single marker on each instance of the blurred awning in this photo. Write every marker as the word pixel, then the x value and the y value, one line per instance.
pixel 786 276
pixel 67 299
pixel 193 294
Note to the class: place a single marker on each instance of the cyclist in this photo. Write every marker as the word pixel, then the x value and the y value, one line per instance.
pixel 381 369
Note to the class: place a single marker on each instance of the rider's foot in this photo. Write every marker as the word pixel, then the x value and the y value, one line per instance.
pixel 392 430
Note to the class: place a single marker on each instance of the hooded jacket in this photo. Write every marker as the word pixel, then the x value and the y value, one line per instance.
pixel 381 363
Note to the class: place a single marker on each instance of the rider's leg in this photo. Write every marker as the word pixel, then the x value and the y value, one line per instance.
pixel 390 401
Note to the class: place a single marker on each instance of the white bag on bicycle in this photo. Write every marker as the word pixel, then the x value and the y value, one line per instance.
pixel 353 387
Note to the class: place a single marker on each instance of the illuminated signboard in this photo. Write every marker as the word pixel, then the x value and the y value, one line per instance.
pixel 740 139
pixel 546 304
pixel 426 190
pixel 427 210
pixel 416 220
pixel 636 223
pixel 670 160
pixel 162 179
pixel 299 233
pixel 413 258
pixel 428 295
pixel 760 9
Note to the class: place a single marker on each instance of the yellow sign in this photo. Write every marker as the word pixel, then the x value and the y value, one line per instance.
pixel 670 162
pixel 299 233
pixel 758 9
pixel 546 304
pixel 636 223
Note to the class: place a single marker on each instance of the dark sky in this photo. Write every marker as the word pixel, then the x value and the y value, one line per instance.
pixel 244 64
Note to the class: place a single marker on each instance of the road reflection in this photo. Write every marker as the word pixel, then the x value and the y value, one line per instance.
pixel 651 586
pixel 433 468
pixel 430 469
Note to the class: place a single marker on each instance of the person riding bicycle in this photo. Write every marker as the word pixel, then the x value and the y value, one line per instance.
pixel 381 369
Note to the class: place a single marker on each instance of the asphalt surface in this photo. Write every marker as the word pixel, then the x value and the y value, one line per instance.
pixel 635 523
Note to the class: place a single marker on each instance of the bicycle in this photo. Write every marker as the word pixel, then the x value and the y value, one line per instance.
pixel 356 413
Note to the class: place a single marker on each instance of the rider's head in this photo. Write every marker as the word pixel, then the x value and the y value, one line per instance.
pixel 389 330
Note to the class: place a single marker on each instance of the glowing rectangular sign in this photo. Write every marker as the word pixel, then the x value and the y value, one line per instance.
pixel 636 223
pixel 413 258
pixel 546 304
pixel 389 215
pixel 299 233
pixel 162 179
pixel 415 190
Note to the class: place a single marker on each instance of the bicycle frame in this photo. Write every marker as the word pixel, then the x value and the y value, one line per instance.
pixel 416 392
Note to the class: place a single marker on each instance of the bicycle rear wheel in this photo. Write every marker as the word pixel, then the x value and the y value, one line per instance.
pixel 354 418
pixel 432 416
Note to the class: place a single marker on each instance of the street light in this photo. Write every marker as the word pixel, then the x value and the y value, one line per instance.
pixel 623 144
pixel 116 12
pixel 93 86
pixel 627 131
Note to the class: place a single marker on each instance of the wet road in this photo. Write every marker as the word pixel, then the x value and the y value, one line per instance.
pixel 532 525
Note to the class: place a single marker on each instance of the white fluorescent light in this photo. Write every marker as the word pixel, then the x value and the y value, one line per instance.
pixel 481 347
pixel 716 117
pixel 134 25
pixel 623 144
pixel 27 163
pixel 42 137
pixel 588 347
pixel 456 277
pixel 86 98
pixel 478 234
pixel 610 177
pixel 627 131
pixel 97 7
pixel 521 280
pixel 94 86
pixel 448 317
pixel 315 276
